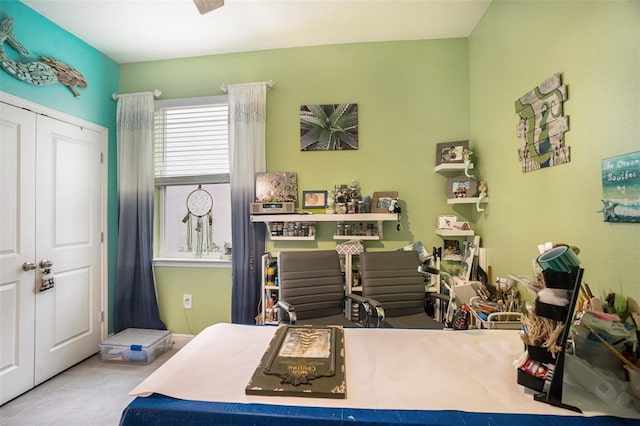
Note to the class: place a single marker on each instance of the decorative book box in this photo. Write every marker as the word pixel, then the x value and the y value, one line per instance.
pixel 302 361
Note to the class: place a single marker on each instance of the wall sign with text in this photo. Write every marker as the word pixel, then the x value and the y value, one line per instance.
pixel 621 188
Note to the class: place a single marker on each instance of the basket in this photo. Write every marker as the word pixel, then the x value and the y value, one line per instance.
pixel 350 247
pixel 496 320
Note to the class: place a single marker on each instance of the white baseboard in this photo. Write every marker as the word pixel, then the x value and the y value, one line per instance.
pixel 179 340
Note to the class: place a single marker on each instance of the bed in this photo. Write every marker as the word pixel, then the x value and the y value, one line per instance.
pixel 394 376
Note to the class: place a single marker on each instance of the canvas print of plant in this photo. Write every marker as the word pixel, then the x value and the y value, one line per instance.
pixel 329 127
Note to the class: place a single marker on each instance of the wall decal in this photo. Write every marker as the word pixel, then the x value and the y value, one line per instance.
pixel 329 127
pixel 542 125
pixel 39 73
pixel 621 188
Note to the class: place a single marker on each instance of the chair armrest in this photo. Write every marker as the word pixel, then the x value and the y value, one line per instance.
pixel 289 309
pixel 365 306
pixel 356 298
pixel 438 296
pixel 379 310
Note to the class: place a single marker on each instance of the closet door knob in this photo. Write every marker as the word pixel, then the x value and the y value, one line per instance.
pixel 29 266
pixel 46 263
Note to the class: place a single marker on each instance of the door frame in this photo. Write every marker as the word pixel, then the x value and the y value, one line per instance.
pixel 104 133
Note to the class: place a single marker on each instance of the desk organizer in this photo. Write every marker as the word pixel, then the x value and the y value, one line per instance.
pixel 498 320
pixel 135 346
pixel 553 312
pixel 540 354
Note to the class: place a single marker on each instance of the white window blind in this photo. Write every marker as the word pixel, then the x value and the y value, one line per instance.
pixel 190 142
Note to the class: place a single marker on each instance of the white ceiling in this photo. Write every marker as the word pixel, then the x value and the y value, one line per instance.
pixel 145 30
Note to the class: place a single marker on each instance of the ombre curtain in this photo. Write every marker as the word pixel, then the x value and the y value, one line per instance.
pixel 136 304
pixel 247 135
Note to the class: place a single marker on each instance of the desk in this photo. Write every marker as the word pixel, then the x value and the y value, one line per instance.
pixel 394 376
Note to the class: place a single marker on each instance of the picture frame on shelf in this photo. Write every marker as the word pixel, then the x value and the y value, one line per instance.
pixel 276 186
pixel 446 221
pixel 461 226
pixel 314 199
pixel 451 250
pixel 382 201
pixel 451 152
pixel 461 187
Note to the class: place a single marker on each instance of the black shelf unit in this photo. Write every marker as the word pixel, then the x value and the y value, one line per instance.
pixel 568 280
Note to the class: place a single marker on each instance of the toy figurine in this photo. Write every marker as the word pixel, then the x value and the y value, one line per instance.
pixel 466 155
pixel 482 189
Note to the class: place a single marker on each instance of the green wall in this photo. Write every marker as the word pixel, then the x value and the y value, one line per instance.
pixel 210 289
pixel 410 95
pixel 596 47
pixel 42 37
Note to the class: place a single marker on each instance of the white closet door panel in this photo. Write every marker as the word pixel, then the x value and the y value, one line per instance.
pixel 17 246
pixel 68 228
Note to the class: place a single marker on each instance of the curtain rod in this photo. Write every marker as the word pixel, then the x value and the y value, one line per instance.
pixel 117 96
pixel 269 84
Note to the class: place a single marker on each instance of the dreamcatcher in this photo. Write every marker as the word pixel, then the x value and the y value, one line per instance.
pixel 199 208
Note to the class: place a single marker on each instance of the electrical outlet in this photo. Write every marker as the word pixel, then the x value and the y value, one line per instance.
pixel 187 300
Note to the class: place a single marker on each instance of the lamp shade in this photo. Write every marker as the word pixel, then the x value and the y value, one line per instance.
pixel 559 259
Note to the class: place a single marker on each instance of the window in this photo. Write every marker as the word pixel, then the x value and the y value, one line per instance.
pixel 191 151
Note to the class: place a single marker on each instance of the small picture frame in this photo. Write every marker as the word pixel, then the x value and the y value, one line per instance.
pixel 382 201
pixel 446 221
pixel 314 199
pixel 461 226
pixel 461 187
pixel 451 152
pixel 451 250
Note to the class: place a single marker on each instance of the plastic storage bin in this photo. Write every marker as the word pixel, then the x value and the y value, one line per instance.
pixel 135 346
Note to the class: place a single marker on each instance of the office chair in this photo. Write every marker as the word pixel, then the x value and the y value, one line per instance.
pixel 395 289
pixel 312 289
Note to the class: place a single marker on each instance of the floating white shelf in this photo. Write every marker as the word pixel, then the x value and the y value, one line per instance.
pixel 451 167
pixel 268 219
pixel 307 238
pixel 455 232
pixel 357 237
pixel 470 200
pixel 359 217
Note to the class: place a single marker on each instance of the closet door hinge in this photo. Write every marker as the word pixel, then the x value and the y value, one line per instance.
pixel 101 316
pixel 102 237
pixel 101 157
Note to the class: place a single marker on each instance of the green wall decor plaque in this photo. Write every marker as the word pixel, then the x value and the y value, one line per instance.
pixel 542 125
pixel 303 361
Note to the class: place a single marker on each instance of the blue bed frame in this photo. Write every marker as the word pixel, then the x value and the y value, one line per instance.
pixel 162 410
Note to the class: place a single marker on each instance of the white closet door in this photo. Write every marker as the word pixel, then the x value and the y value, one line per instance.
pixel 17 246
pixel 51 209
pixel 68 234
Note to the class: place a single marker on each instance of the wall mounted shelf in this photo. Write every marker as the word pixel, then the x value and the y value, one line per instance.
pixel 469 200
pixel 270 219
pixel 451 167
pixel 359 217
pixel 455 232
